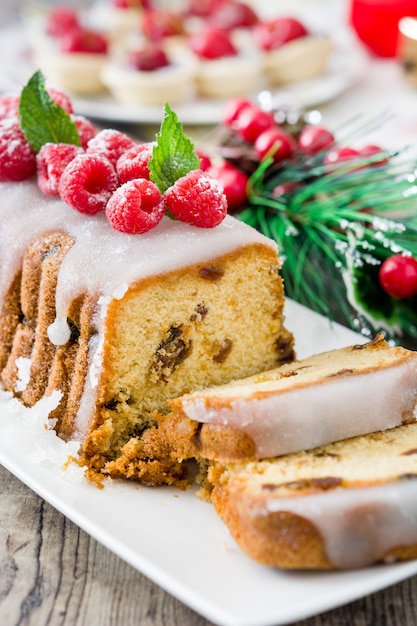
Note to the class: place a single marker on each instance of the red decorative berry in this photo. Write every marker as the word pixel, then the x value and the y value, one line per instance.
pixel 272 34
pixel 205 161
pixel 134 162
pixel 17 158
pixel 61 98
pixel 197 199
pixel 160 23
pixel 340 154
pixel 234 183
pixel 232 15
pixel 51 160
pixel 212 43
pixel 203 8
pixel 136 207
pixel 233 109
pixel 110 143
pixel 398 276
pixel 372 151
pixel 9 106
pixel 86 129
pixel 88 182
pixel 313 139
pixel 276 143
pixel 148 59
pixel 61 20
pixel 83 40
pixel 252 122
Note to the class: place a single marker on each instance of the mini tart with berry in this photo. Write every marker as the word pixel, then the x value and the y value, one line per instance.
pixel 150 77
pixel 225 68
pixel 291 52
pixel 117 18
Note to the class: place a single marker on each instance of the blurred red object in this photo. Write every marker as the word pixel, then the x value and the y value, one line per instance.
pixel 376 22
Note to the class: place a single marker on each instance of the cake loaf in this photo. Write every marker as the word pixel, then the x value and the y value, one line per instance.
pixel 340 506
pixel 301 405
pixel 112 325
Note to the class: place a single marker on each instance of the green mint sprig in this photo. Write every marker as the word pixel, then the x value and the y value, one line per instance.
pixel 42 120
pixel 173 155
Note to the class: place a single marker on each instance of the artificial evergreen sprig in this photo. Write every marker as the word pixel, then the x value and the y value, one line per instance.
pixel 335 225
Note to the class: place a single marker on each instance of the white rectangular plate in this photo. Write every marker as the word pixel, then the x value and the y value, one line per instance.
pixel 175 538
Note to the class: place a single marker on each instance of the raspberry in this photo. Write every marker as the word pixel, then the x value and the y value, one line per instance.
pixel 197 199
pixel 17 158
pixel 134 163
pixel 88 182
pixel 83 40
pixel 212 43
pixel 86 129
pixel 9 106
pixel 61 98
pixel 147 59
pixel 232 15
pixel 110 143
pixel 160 23
pixel 51 160
pixel 60 20
pixel 136 207
pixel 274 33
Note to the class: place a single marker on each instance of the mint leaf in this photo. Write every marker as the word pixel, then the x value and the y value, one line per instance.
pixel 42 120
pixel 173 155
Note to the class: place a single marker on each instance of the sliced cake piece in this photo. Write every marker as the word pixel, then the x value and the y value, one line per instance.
pixel 340 506
pixel 301 405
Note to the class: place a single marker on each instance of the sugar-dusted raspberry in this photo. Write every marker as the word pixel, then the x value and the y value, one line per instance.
pixel 9 106
pixel 198 199
pixel 61 98
pixel 17 158
pixel 136 207
pixel 86 129
pixel 134 162
pixel 88 182
pixel 51 160
pixel 110 143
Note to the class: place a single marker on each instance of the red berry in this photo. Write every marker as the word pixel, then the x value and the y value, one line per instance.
pixel 88 182
pixel 203 8
pixel 61 98
pixel 272 34
pixel 276 143
pixel 51 160
pixel 83 40
pixel 147 59
pixel 160 23
pixel 9 106
pixel 205 161
pixel 340 154
pixel 17 158
pixel 398 276
pixel 110 143
pixel 372 151
pixel 134 162
pixel 313 139
pixel 86 129
pixel 197 199
pixel 61 20
pixel 212 43
pixel 233 109
pixel 252 122
pixel 136 207
pixel 234 183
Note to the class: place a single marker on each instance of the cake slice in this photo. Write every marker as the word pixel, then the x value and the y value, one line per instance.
pixel 113 325
pixel 301 405
pixel 344 505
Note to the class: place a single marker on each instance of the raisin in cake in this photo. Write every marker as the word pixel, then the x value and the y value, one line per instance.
pixel 321 399
pixel 345 505
pixel 117 324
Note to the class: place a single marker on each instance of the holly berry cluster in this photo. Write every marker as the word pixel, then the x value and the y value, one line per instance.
pixel 108 171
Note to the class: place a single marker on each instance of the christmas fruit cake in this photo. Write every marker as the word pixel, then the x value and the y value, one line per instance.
pixel 108 318
pixel 341 506
pixel 301 405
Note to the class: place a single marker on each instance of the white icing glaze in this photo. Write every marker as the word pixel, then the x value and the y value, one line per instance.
pixel 310 416
pixel 357 525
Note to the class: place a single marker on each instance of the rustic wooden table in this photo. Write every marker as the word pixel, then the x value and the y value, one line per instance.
pixel 52 573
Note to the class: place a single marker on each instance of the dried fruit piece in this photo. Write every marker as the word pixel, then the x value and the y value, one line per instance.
pixel 197 199
pixel 88 182
pixel 136 207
